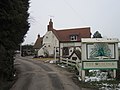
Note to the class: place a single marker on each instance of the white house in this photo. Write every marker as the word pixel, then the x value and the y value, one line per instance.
pixel 62 42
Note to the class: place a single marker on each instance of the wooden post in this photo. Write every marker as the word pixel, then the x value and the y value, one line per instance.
pixel 83 75
pixel 114 73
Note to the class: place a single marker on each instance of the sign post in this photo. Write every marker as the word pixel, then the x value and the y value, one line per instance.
pixel 99 54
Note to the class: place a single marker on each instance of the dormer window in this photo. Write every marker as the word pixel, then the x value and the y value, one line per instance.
pixel 73 37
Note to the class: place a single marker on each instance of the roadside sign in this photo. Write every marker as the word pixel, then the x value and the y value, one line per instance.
pixel 100 65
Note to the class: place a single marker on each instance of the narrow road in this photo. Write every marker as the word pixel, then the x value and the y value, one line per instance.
pixel 37 75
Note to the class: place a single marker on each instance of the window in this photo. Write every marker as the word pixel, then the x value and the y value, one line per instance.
pixel 56 50
pixel 48 45
pixel 74 58
pixel 73 37
pixel 65 51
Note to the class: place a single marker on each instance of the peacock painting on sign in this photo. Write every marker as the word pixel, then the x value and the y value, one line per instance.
pixel 100 51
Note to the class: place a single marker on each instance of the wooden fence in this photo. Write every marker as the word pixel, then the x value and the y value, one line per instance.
pixel 68 61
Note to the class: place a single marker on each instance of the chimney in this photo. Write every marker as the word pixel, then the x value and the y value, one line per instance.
pixel 50 26
pixel 38 35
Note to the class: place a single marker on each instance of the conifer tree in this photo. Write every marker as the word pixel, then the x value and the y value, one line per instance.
pixel 97 35
pixel 13 27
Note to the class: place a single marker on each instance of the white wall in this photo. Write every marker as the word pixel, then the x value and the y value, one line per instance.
pixel 49 41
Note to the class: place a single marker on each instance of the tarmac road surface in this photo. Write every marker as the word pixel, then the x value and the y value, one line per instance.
pixel 37 75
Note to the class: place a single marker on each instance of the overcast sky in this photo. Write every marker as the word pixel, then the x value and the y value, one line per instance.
pixel 100 15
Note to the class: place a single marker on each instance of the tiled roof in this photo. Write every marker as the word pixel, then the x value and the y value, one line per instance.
pixel 64 35
pixel 38 43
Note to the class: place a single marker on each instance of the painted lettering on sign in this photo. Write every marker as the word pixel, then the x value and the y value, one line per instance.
pixel 100 65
